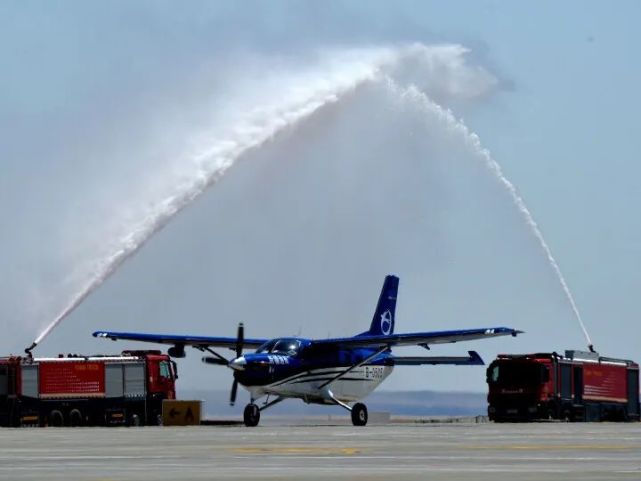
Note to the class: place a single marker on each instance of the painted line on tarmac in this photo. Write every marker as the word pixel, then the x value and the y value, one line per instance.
pixel 297 450
pixel 554 447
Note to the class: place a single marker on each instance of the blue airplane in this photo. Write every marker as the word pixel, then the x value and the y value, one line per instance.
pixel 335 371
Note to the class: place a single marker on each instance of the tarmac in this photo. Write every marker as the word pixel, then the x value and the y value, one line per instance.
pixel 282 451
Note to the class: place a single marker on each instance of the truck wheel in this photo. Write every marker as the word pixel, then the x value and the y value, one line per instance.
pixel 359 414
pixel 75 418
pixel 134 420
pixel 56 419
pixel 251 415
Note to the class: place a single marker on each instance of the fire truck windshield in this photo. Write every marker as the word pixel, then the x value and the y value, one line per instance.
pixel 517 373
pixel 165 371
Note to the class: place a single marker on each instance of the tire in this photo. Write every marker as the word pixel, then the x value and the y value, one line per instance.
pixel 75 418
pixel 56 419
pixel 158 419
pixel 134 420
pixel 251 415
pixel 359 414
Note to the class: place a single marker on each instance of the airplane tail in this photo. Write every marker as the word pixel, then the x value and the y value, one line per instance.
pixel 384 316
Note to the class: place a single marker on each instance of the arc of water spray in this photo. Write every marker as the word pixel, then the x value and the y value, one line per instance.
pixel 473 140
pixel 214 162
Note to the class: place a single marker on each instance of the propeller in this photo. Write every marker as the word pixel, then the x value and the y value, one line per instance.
pixel 234 389
pixel 240 340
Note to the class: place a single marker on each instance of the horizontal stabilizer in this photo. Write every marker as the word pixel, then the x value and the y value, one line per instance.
pixel 473 359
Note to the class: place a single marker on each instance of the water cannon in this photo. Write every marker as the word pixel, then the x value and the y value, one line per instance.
pixel 30 348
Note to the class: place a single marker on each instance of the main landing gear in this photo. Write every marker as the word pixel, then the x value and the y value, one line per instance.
pixel 359 414
pixel 358 410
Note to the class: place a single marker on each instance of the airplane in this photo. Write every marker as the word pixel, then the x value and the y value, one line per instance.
pixel 336 371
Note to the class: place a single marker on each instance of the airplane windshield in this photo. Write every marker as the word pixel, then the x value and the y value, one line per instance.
pixel 286 346
pixel 280 346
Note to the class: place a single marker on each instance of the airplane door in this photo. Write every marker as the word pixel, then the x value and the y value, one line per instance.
pixel 578 384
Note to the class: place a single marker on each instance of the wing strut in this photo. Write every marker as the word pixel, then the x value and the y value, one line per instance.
pixel 270 404
pixel 217 359
pixel 351 368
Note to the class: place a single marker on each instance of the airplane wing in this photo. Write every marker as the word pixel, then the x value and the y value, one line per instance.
pixel 197 341
pixel 418 338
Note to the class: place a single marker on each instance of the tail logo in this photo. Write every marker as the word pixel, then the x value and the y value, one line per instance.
pixel 386 323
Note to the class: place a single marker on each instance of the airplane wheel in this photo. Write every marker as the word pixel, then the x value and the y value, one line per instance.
pixel 251 416
pixel 359 414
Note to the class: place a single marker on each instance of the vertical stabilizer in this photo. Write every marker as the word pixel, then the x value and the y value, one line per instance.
pixel 385 314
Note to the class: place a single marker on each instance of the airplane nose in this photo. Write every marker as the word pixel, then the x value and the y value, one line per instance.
pixel 238 364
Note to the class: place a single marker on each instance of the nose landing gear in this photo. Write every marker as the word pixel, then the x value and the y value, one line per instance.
pixel 251 415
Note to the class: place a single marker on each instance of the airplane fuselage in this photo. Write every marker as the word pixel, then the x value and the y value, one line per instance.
pixel 305 376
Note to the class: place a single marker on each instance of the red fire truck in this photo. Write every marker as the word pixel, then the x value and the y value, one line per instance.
pixel 73 390
pixel 580 386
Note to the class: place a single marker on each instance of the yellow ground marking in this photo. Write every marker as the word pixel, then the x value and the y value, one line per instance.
pixel 297 450
pixel 556 447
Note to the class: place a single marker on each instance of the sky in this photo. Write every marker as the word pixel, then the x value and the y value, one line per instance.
pixel 326 153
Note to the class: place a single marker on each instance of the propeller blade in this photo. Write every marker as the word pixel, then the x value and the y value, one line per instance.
pixel 234 388
pixel 240 340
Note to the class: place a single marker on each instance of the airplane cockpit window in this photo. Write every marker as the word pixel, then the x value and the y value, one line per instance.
pixel 267 347
pixel 286 346
pixel 280 346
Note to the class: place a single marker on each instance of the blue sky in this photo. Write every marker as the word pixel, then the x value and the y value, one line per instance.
pixel 99 99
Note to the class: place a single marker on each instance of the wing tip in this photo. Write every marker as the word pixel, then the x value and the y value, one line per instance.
pixel 103 334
